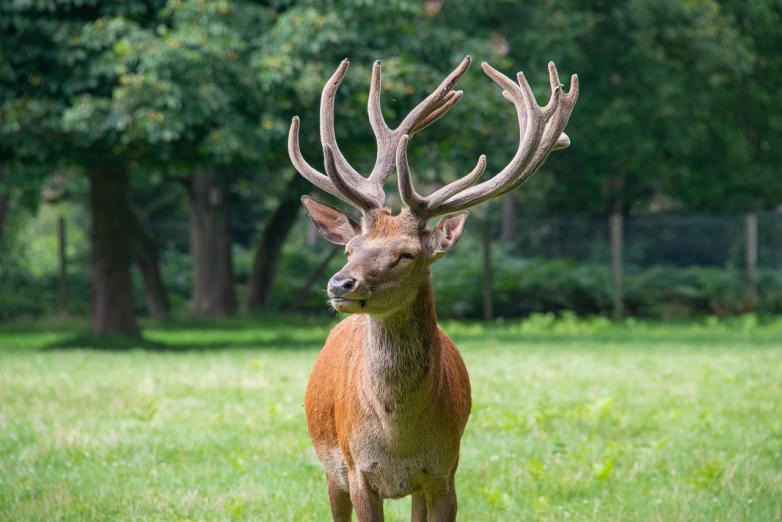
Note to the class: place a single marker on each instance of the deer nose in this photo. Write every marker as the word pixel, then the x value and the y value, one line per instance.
pixel 340 287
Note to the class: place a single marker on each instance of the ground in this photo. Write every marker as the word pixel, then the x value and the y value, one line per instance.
pixel 572 420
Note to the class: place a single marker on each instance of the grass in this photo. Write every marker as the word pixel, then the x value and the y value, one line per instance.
pixel 572 420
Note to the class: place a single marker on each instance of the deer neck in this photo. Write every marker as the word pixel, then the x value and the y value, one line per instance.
pixel 402 349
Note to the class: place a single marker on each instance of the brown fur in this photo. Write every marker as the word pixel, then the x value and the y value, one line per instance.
pixel 389 396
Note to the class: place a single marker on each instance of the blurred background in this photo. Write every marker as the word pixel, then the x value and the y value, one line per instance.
pixel 162 292
pixel 144 169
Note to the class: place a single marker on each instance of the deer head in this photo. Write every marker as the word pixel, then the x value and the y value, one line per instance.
pixel 389 256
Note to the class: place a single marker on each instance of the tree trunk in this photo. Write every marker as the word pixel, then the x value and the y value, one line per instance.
pixel 214 293
pixel 111 305
pixel 510 214
pixel 267 255
pixel 146 253
pixel 301 294
pixel 4 204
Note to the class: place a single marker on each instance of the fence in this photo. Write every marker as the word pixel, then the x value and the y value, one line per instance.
pixel 739 243
pixel 682 241
pixel 731 242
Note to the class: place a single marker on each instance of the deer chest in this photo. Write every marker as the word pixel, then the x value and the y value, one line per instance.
pixel 398 458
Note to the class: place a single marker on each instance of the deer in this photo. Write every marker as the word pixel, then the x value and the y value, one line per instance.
pixel 389 395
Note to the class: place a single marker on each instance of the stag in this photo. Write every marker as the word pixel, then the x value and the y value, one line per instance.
pixel 389 395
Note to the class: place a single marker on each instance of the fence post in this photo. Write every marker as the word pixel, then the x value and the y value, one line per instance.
pixel 488 299
pixel 751 258
pixel 62 290
pixel 616 263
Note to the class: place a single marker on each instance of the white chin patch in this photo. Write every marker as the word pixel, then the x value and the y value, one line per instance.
pixel 347 306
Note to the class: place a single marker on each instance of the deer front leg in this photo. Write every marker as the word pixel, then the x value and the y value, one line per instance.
pixel 419 507
pixel 442 504
pixel 366 502
pixel 339 500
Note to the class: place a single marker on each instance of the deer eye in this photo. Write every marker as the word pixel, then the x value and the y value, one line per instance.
pixel 407 255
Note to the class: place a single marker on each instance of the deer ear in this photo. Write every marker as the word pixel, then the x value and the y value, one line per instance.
pixel 447 233
pixel 333 224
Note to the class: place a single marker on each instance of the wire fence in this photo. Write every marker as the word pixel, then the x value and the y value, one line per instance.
pixel 742 246
pixel 546 265
pixel 680 241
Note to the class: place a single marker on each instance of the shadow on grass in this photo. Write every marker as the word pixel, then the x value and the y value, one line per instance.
pixel 282 341
pixel 179 321
pixel 108 343
pixel 644 338
pixel 309 333
pixel 124 344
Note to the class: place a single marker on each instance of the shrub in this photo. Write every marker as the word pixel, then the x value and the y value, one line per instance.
pixel 522 287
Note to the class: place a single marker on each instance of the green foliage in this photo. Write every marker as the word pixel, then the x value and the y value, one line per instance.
pixel 522 287
pixel 676 94
pixel 22 292
pixel 674 106
pixel 678 110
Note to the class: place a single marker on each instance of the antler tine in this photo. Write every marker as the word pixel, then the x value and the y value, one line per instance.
pixel 434 106
pixel 424 206
pixel 341 180
pixel 407 191
pixel 556 89
pixel 376 119
pixel 304 168
pixel 435 100
pixel 540 133
pixel 436 198
pixel 345 182
pixel 384 136
pixel 450 100
pixel 531 123
pixel 353 194
pixel 328 135
pixel 553 138
pixel 563 142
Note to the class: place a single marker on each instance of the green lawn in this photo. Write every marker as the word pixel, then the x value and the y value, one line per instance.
pixel 572 420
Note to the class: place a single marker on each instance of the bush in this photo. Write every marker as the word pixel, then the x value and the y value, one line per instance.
pixel 20 292
pixel 669 292
pixel 522 287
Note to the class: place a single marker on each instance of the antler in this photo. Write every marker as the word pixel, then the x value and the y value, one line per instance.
pixel 342 180
pixel 541 131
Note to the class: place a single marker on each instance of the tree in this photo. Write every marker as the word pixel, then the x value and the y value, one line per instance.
pixel 275 231
pixel 155 88
pixel 57 109
pixel 201 124
pixel 738 167
pixel 146 254
pixel 663 109
pixel 214 293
